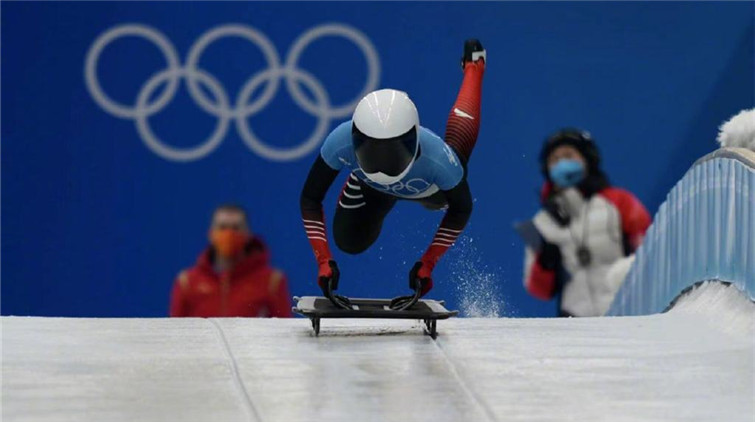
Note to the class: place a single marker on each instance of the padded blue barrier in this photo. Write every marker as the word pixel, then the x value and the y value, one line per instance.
pixel 705 230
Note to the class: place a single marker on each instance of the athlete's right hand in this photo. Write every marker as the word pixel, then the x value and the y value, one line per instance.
pixel 328 274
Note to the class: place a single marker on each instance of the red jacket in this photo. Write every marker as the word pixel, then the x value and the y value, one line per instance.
pixel 251 289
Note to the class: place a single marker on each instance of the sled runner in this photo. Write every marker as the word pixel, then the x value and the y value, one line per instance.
pixel 429 311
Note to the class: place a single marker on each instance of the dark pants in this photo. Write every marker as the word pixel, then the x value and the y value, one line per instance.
pixel 361 211
pixel 359 215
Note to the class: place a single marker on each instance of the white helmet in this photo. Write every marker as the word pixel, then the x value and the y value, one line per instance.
pixel 385 131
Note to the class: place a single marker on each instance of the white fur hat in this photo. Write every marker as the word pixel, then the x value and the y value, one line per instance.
pixel 739 131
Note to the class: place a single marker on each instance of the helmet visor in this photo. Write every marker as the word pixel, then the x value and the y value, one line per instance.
pixel 388 156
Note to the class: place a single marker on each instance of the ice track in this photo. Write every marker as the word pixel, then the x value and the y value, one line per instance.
pixel 694 363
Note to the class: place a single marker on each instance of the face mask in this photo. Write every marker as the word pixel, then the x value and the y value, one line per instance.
pixel 567 173
pixel 228 242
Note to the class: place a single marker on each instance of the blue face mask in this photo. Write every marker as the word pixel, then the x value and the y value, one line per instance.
pixel 567 173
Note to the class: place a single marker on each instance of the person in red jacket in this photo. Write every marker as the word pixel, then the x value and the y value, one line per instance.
pixel 584 231
pixel 233 276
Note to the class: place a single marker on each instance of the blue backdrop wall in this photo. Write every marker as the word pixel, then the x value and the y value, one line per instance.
pixel 102 204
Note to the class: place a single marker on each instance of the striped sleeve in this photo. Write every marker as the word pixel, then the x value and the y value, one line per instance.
pixel 315 230
pixel 319 180
pixel 458 213
pixel 445 237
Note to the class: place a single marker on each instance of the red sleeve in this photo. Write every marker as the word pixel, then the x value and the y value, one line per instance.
pixel 178 305
pixel 635 219
pixel 279 298
pixel 539 282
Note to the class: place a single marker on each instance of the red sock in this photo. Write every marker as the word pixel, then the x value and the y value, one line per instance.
pixel 464 119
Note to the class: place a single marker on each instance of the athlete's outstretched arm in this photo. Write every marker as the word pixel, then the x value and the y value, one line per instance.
pixel 319 180
pixel 459 209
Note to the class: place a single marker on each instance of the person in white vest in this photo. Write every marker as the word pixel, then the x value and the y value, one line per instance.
pixel 584 228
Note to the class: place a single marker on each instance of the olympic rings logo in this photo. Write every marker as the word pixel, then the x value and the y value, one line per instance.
pixel 220 105
pixel 411 187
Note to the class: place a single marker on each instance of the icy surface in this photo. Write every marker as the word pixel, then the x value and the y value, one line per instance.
pixel 735 311
pixel 680 366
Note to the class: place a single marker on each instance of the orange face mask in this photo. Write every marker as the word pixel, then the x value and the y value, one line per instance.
pixel 228 242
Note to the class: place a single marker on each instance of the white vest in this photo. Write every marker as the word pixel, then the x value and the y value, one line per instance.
pixel 596 225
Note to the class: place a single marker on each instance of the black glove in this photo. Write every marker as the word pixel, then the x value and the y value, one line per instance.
pixel 328 277
pixel 420 273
